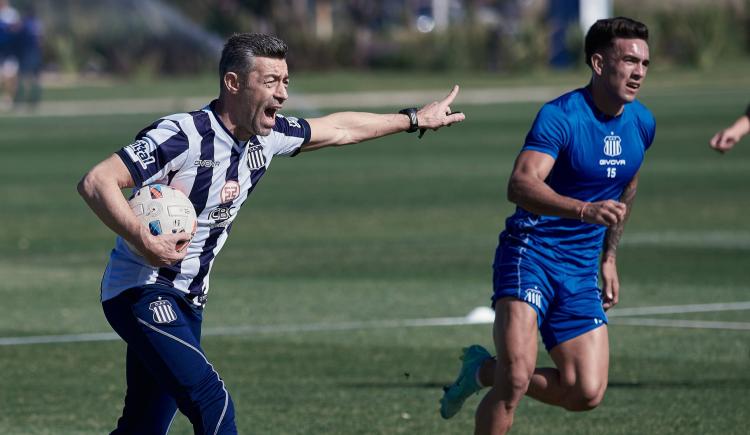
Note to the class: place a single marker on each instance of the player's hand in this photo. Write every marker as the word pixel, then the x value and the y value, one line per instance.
pixel 607 212
pixel 165 249
pixel 438 113
pixel 725 140
pixel 610 283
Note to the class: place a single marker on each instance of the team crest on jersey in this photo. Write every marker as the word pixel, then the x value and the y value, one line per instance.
pixel 163 312
pixel 612 145
pixel 255 157
pixel 139 150
pixel 230 191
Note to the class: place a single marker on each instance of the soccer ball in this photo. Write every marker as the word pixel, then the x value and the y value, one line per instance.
pixel 164 210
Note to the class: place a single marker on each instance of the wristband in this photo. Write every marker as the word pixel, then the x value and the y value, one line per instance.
pixel 747 111
pixel 583 208
pixel 411 112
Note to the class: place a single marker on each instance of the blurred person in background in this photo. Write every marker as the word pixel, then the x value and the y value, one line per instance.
pixel 10 21
pixel 28 48
pixel 574 184
pixel 216 156
pixel 725 139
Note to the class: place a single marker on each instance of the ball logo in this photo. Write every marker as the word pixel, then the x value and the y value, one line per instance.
pixel 230 191
pixel 612 145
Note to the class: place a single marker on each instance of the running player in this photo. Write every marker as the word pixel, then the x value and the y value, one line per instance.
pixel 574 183
pixel 217 156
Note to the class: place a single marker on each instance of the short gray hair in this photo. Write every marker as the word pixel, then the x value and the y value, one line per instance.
pixel 240 50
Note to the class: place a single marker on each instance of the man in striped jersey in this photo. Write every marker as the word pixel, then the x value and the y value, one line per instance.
pixel 216 156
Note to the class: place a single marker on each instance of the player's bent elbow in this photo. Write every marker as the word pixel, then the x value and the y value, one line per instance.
pixel 85 186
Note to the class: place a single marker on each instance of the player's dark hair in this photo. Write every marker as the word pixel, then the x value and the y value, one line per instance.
pixel 242 48
pixel 602 34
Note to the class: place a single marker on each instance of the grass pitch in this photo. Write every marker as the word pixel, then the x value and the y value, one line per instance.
pixel 395 229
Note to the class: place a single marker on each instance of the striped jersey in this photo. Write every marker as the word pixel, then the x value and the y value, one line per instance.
pixel 196 154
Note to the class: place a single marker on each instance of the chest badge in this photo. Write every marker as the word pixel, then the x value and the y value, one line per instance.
pixel 612 145
pixel 230 191
pixel 255 157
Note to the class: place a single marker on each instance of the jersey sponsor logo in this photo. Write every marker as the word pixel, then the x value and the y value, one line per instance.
pixel 163 312
pixel 230 191
pixel 206 163
pixel 220 214
pixel 293 122
pixel 533 296
pixel 612 162
pixel 255 157
pixel 139 150
pixel 612 145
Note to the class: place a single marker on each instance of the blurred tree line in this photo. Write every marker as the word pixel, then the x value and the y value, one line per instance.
pixel 149 37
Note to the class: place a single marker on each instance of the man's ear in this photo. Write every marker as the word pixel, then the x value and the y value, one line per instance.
pixel 597 63
pixel 232 82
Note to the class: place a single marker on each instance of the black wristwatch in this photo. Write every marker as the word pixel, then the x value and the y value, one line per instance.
pixel 747 111
pixel 411 112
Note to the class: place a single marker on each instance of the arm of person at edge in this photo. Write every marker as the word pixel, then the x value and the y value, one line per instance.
pixel 527 189
pixel 101 189
pixel 345 128
pixel 725 140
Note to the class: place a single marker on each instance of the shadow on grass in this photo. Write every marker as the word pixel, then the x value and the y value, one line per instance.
pixel 733 384
pixel 387 385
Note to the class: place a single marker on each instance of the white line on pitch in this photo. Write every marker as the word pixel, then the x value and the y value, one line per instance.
pixel 620 315
pixel 677 323
pixel 680 309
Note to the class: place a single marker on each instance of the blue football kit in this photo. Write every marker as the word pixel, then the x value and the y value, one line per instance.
pixel 550 262
pixel 158 310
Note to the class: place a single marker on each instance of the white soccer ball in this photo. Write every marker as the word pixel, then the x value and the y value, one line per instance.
pixel 164 210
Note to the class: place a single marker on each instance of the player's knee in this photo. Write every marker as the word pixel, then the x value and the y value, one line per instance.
pixel 514 381
pixel 585 397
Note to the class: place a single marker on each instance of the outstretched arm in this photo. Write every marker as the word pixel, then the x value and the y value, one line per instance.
pixel 725 140
pixel 610 279
pixel 345 128
pixel 100 188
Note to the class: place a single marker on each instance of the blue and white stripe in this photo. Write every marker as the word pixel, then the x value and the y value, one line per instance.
pixel 196 154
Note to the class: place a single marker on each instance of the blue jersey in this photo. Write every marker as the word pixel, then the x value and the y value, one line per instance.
pixel 596 156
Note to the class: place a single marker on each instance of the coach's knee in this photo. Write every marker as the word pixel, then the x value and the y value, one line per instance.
pixel 585 396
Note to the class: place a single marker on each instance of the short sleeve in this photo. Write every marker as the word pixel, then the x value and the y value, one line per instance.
pixel 289 134
pixel 549 133
pixel 158 150
pixel 648 127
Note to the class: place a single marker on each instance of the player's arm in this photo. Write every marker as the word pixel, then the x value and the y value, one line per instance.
pixel 725 140
pixel 610 279
pixel 345 128
pixel 101 189
pixel 527 189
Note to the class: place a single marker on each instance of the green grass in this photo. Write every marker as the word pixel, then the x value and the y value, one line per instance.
pixel 395 229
